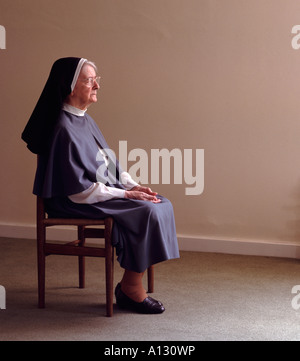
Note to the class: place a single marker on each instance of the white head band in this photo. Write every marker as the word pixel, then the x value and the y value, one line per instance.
pixel 77 72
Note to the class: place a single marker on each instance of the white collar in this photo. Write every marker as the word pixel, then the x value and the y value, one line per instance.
pixel 73 110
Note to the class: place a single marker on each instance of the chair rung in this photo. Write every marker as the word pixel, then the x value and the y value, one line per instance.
pixel 72 222
pixel 52 248
pixel 93 233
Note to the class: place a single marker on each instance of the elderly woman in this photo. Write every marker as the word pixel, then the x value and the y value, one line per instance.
pixel 78 177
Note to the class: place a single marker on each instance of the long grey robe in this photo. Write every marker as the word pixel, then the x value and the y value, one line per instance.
pixel 144 232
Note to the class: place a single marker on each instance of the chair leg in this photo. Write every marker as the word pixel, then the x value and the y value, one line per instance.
pixel 41 283
pixel 81 259
pixel 109 268
pixel 150 273
pixel 41 260
pixel 109 262
pixel 81 267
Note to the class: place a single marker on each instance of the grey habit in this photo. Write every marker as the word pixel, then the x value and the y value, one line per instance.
pixel 70 162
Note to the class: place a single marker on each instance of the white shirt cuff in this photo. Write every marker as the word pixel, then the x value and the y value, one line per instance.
pixel 97 192
pixel 127 181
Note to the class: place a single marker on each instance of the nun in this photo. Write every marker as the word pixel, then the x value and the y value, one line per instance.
pixel 78 176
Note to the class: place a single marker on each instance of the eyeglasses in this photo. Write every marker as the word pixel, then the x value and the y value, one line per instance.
pixel 91 81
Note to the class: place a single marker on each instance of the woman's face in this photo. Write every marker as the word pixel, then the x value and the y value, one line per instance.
pixel 85 90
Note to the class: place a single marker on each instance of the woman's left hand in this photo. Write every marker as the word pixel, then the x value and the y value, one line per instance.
pixel 144 191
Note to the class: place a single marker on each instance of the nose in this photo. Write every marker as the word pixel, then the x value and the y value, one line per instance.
pixel 96 84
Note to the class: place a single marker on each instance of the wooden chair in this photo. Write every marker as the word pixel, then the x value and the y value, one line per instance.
pixel 78 248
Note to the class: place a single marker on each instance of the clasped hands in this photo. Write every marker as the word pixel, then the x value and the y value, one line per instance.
pixel 142 193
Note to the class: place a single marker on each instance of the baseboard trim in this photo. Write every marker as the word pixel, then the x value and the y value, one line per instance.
pixel 28 231
pixel 186 242
pixel 237 246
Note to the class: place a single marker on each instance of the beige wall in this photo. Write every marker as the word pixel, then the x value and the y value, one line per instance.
pixel 219 75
